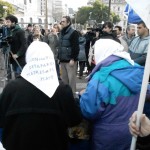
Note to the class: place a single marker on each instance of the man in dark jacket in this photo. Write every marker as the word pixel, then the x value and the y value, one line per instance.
pixel 17 43
pixel 28 31
pixel 68 52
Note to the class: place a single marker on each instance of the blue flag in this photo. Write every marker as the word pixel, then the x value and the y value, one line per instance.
pixel 142 8
pixel 132 16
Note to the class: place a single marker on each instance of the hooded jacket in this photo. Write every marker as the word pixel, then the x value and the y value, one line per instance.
pixel 82 56
pixel 138 49
pixel 110 99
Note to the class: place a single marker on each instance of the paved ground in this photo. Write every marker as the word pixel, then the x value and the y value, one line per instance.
pixel 2 80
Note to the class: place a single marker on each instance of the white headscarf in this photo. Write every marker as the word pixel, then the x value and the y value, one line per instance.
pixel 40 68
pixel 103 48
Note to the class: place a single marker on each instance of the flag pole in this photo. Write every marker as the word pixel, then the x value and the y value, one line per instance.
pixel 142 95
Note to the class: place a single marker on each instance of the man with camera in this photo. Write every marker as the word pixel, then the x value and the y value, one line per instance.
pixel 17 43
pixel 4 31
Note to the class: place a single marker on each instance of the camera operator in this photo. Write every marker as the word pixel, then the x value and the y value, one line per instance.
pixel 4 32
pixel 18 44
pixel 108 31
pixel 104 31
pixel 89 37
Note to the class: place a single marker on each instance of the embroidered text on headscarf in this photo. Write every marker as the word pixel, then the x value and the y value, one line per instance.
pixel 40 68
pixel 43 68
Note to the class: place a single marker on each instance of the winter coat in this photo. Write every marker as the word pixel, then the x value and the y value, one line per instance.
pixel 128 40
pixel 124 44
pixel 18 44
pixel 138 49
pixel 31 39
pixel 68 44
pixel 82 56
pixel 33 121
pixel 110 98
pixel 53 43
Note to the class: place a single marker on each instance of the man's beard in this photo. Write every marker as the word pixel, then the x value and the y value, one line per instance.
pixel 12 26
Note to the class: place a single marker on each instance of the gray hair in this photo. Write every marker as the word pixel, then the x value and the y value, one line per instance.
pixel 130 26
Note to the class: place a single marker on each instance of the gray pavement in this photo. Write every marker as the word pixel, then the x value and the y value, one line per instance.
pixel 2 81
pixel 81 83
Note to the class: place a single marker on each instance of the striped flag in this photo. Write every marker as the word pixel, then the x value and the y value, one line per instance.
pixel 142 8
pixel 133 17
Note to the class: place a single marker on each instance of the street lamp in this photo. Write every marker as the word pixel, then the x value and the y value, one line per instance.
pixel 75 20
pixel 90 21
pixel 90 13
pixel 109 10
pixel 5 8
pixel 46 15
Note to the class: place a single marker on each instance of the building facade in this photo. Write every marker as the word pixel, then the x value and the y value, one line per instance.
pixel 60 9
pixel 33 11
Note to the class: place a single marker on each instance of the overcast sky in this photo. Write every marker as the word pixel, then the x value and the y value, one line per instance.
pixel 76 3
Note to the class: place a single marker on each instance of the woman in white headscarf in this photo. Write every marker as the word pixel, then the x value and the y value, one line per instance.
pixel 35 109
pixel 111 96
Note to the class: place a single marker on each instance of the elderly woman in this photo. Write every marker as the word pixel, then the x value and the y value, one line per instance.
pixel 111 96
pixel 35 109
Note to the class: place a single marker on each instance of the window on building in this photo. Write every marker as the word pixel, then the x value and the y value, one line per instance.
pixel 118 8
pixel 30 1
pixel 25 2
pixel 40 20
pixel 22 22
pixel 31 20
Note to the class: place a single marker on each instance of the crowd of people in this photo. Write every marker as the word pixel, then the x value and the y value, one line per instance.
pixel 39 110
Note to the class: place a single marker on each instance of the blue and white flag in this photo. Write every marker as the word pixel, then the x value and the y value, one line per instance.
pixel 132 16
pixel 142 8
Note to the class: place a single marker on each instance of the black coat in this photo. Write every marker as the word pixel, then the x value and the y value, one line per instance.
pixel 33 121
pixel 18 44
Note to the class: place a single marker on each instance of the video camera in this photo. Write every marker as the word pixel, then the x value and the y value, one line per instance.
pixel 4 38
pixel 92 32
pixel 5 41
